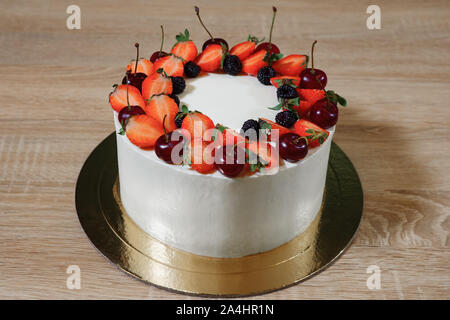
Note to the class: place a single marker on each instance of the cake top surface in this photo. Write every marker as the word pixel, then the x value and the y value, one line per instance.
pixel 229 100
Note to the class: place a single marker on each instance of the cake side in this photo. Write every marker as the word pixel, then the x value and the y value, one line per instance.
pixel 220 217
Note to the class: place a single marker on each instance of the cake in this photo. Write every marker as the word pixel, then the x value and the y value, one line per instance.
pixel 202 167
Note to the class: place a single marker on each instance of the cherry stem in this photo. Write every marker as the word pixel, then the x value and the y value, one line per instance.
pixel 271 27
pixel 197 11
pixel 164 128
pixel 137 56
pixel 162 41
pixel 312 56
pixel 128 101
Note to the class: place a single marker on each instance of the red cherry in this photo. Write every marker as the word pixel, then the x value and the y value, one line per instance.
pixel 212 40
pixel 164 146
pixel 160 53
pixel 220 41
pixel 135 79
pixel 264 45
pixel 313 78
pixel 229 161
pixel 324 113
pixel 293 147
pixel 126 113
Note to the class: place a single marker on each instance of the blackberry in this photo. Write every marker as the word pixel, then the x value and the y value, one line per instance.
pixel 178 85
pixel 250 124
pixel 286 92
pixel 179 119
pixel 286 118
pixel 232 65
pixel 175 98
pixel 264 75
pixel 191 70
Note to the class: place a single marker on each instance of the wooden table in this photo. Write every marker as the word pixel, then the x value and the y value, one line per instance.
pixel 54 84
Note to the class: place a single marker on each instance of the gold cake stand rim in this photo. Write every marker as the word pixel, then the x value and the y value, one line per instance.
pixel 117 238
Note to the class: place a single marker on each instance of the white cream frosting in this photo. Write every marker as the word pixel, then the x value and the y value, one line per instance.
pixel 213 215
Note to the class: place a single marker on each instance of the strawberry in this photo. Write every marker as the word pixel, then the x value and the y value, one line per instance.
pixel 228 136
pixel 279 81
pixel 267 160
pixel 155 84
pixel 201 157
pixel 161 106
pixel 311 95
pixel 144 66
pixel 143 131
pixel 315 134
pixel 196 123
pixel 209 60
pixel 291 65
pixel 270 125
pixel 244 49
pixel 172 66
pixel 254 62
pixel 118 97
pixel 184 48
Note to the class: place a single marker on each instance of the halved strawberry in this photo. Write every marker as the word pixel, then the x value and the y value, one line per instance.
pixel 228 136
pixel 197 124
pixel 291 65
pixel 209 59
pixel 118 97
pixel 269 125
pixel 245 49
pixel 302 108
pixel 161 106
pixel 315 134
pixel 155 84
pixel 311 95
pixel 184 48
pixel 172 65
pixel 268 159
pixel 143 130
pixel 279 81
pixel 201 156
pixel 254 62
pixel 144 66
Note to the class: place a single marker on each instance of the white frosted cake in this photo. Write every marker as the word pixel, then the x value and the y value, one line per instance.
pixel 227 207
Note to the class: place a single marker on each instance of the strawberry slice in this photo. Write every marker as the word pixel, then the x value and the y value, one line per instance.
pixel 254 62
pixel 243 50
pixel 118 97
pixel 143 131
pixel 209 59
pixel 291 65
pixel 184 48
pixel 161 106
pixel 311 95
pixel 270 125
pixel 281 80
pixel 201 156
pixel 155 84
pixel 315 134
pixel 173 66
pixel 144 66
pixel 196 124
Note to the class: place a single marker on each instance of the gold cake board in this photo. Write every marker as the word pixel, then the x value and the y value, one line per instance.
pixel 120 240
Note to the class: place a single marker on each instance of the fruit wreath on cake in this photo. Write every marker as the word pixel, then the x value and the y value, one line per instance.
pixel 149 105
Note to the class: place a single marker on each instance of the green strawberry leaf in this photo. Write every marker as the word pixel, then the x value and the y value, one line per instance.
pixel 121 131
pixel 277 107
pixel 255 39
pixel 183 37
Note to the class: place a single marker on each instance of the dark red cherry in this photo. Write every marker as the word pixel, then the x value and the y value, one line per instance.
pixel 164 147
pixel 311 78
pixel 293 147
pixel 265 45
pixel 135 79
pixel 157 55
pixel 127 112
pixel 324 113
pixel 220 41
pixel 229 160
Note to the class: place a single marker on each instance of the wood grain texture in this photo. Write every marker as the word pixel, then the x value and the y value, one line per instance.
pixel 53 88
